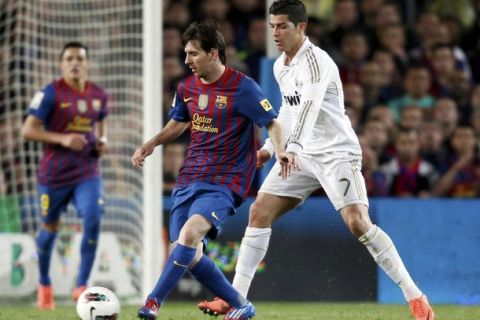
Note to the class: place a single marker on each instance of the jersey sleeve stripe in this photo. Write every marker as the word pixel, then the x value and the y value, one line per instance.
pixel 313 66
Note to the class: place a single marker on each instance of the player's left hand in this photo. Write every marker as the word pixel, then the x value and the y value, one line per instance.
pixel 288 162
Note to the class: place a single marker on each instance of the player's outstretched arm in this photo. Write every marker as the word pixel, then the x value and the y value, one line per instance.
pixel 33 129
pixel 172 130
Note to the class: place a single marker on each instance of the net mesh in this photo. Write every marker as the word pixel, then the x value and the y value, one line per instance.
pixel 32 34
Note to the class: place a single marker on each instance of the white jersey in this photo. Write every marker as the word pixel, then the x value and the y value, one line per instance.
pixel 312 114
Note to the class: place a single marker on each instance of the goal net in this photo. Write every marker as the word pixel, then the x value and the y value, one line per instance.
pixel 32 34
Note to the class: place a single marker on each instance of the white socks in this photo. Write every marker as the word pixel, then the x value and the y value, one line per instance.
pixel 252 251
pixel 386 256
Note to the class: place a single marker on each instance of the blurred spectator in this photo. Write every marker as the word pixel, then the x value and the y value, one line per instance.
pixel 391 78
pixel 368 12
pixel 345 18
pixel 354 53
pixel 382 113
pixel 407 174
pixel 234 61
pixel 417 85
pixel 173 70
pixel 376 137
pixel 317 33
pixel 178 14
pixel 354 98
pixel 374 179
pixel 172 41
pixel 371 81
pixel 256 49
pixel 463 176
pixel 448 80
pixel 475 123
pixel 446 113
pixel 393 39
pixel 411 117
pixel 432 144
pixel 214 10
pixel 240 14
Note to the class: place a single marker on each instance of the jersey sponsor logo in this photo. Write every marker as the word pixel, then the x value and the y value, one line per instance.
pixel 96 104
pixel 81 124
pixel 37 100
pixel 221 102
pixel 64 105
pixel 202 101
pixel 293 100
pixel 266 105
pixel 203 123
pixel 187 100
pixel 82 106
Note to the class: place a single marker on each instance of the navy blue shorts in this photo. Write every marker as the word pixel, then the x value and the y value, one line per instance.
pixel 215 206
pixel 87 197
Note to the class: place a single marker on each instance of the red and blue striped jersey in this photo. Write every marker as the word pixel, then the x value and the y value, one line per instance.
pixel 65 110
pixel 222 118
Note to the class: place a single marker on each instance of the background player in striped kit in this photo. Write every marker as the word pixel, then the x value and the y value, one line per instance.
pixel 221 106
pixel 320 134
pixel 68 116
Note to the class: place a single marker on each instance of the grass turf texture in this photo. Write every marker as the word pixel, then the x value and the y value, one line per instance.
pixel 265 311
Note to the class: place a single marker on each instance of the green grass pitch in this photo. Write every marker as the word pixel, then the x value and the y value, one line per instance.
pixel 265 311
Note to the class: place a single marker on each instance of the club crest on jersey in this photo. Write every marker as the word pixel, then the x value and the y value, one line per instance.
pixel 82 106
pixel 266 105
pixel 96 104
pixel 221 102
pixel 202 101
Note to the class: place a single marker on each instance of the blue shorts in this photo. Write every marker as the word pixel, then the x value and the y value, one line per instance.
pixel 87 197
pixel 213 205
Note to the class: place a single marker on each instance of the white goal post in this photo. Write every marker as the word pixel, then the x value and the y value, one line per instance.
pixel 124 38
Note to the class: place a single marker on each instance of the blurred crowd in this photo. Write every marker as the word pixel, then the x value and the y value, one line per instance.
pixel 411 88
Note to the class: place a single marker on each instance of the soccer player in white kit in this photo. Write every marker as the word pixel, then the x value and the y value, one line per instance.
pixel 319 133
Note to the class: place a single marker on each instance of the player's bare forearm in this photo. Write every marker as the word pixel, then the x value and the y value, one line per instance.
pixel 276 135
pixel 172 130
pixel 33 129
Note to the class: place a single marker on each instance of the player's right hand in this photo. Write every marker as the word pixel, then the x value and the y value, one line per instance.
pixel 288 162
pixel 141 153
pixel 74 141
pixel 262 157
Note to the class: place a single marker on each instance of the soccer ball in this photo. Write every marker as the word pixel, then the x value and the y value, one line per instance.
pixel 98 303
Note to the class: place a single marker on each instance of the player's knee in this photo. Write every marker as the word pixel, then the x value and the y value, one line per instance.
pixel 190 236
pixel 259 216
pixel 357 220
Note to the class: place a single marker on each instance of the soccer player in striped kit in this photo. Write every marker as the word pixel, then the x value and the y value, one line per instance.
pixel 329 154
pixel 220 106
pixel 68 116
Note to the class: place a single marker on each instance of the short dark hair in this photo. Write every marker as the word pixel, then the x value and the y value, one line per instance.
pixel 208 36
pixel 294 9
pixel 73 44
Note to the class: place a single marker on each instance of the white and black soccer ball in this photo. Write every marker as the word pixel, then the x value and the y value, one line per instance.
pixel 98 303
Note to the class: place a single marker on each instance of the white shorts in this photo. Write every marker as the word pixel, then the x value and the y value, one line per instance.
pixel 338 174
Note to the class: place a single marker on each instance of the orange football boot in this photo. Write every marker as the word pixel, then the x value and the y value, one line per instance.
pixel 215 307
pixel 45 297
pixel 421 309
